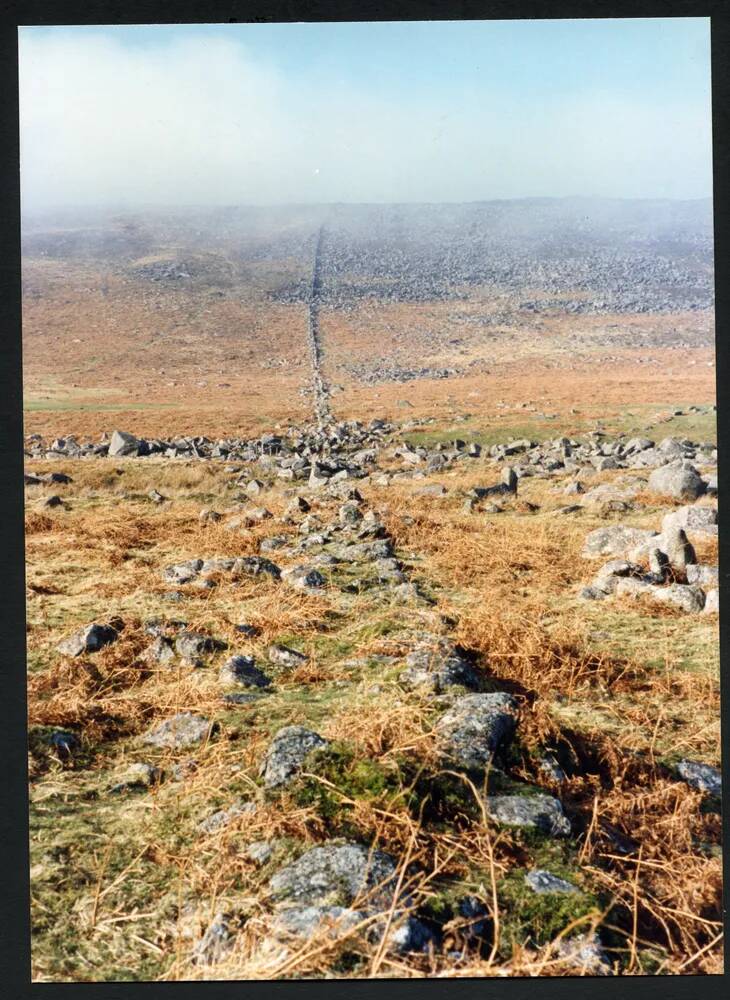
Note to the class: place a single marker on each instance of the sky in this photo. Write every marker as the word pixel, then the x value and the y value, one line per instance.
pixel 364 112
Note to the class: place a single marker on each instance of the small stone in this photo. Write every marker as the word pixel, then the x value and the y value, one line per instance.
pixel 701 776
pixel 260 851
pixel 540 812
pixel 542 882
pixel 286 754
pixel 90 639
pixel 283 656
pixel 243 670
pixel 181 730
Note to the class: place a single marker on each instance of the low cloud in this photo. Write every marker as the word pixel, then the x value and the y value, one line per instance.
pixel 208 122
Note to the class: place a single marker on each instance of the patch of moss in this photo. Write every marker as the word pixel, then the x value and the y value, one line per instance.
pixel 527 916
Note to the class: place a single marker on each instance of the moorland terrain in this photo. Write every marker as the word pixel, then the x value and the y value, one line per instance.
pixel 372 591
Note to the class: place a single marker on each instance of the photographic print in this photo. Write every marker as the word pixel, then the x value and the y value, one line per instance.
pixel 371 500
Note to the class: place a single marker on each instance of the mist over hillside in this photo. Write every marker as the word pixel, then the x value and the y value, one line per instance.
pixel 619 255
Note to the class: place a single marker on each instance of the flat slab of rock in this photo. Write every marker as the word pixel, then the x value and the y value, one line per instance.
pixel 337 874
pixel 538 812
pixel 89 639
pixel 686 597
pixel 286 754
pixel 182 730
pixel 476 725
pixel 615 540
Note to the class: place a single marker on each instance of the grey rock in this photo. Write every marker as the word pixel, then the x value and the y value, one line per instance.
pixel 182 730
pixel 216 943
pixel 183 572
pixel 694 518
pixel 283 656
pixel 615 540
pixel 677 481
pixel 303 922
pixel 286 754
pixel 124 444
pixel 243 670
pixel 678 548
pixel 436 664
pixel 160 651
pixel 586 954
pixel 540 812
pixel 89 639
pixel 542 882
pixel 260 851
pixel 337 874
pixel 255 566
pixel 712 602
pixel 701 776
pixel 191 646
pixel 304 578
pixel 476 725
pixel 703 575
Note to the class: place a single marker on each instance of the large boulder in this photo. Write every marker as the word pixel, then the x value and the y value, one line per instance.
pixel 616 540
pixel 695 519
pixel 124 444
pixel 682 482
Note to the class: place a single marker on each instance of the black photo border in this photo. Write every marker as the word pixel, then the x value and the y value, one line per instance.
pixel 14 865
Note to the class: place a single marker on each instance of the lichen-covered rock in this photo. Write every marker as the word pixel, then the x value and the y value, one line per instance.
pixel 304 578
pixel 303 922
pixel 89 639
pixel 286 754
pixel 703 575
pixel 476 725
pixel 695 519
pixel 243 670
pixel 182 730
pixel 337 875
pixel 702 776
pixel 436 664
pixel 256 566
pixel 680 481
pixel 615 540
pixel 540 812
pixel 191 646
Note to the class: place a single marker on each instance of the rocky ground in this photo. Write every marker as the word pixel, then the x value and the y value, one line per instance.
pixel 332 702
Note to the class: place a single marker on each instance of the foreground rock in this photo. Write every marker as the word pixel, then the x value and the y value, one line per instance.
pixel 286 754
pixel 682 482
pixel 337 874
pixel 476 726
pixel 538 812
pixel 701 776
pixel 90 639
pixel 182 730
pixel 435 664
